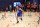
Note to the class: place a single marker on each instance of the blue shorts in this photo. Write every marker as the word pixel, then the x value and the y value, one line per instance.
pixel 19 15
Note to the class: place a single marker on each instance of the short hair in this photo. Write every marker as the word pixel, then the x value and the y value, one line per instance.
pixel 16 5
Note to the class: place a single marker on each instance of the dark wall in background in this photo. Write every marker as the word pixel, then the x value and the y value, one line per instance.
pixel 38 1
pixel 22 1
pixel 4 3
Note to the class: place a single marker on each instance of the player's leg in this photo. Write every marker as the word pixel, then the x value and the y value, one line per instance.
pixel 20 16
pixel 17 20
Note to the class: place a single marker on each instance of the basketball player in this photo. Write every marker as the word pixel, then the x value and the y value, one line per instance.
pixel 20 13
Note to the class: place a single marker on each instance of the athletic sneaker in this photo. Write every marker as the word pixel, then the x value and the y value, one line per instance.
pixel 38 22
pixel 17 21
pixel 21 19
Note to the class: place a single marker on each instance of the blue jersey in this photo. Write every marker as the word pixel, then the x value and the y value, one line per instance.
pixel 19 11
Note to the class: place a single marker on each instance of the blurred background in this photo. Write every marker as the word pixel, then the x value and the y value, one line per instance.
pixel 32 5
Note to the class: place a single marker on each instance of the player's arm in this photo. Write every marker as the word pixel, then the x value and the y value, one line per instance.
pixel 22 11
pixel 15 10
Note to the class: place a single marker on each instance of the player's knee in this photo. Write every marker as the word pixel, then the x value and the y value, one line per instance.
pixel 17 16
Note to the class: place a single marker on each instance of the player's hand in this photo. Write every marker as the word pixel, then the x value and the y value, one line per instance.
pixel 13 11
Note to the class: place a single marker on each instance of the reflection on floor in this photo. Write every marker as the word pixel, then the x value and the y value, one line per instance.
pixel 9 20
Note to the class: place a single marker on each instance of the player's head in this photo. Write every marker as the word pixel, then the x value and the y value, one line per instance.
pixel 17 6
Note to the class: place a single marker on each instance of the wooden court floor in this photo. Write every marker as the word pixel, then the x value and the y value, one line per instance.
pixel 9 20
